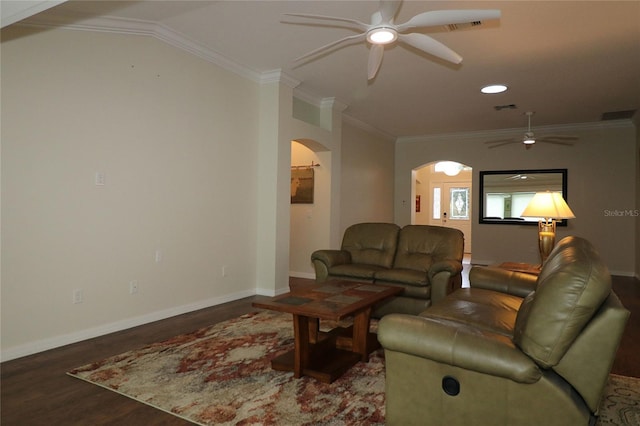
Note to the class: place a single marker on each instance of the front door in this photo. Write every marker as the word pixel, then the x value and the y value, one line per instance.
pixel 450 206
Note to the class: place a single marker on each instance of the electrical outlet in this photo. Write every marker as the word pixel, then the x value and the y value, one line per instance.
pixel 133 287
pixel 100 179
pixel 158 256
pixel 77 296
pixel 224 271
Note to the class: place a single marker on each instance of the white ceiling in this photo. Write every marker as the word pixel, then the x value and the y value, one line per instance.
pixel 569 61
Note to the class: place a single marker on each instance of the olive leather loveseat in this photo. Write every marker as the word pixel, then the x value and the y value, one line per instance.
pixel 512 349
pixel 426 261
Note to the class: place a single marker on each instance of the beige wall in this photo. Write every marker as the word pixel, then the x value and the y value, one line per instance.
pixel 196 161
pixel 367 177
pixel 364 193
pixel 176 138
pixel 602 177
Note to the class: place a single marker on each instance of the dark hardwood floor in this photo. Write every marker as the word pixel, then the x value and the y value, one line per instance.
pixel 36 391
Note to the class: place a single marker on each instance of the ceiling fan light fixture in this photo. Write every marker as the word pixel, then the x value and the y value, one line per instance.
pixel 494 88
pixel 528 137
pixel 382 35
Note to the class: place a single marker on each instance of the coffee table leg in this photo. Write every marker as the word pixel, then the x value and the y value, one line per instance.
pixel 361 334
pixel 301 336
pixel 314 329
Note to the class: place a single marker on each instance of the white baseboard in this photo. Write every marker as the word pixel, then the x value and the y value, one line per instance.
pixel 624 274
pixel 480 262
pixel 67 339
pixel 270 292
pixel 308 275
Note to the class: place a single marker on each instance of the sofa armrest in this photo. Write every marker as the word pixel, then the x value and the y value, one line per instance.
pixel 447 265
pixel 458 345
pixel 332 258
pixel 324 260
pixel 497 279
pixel 442 278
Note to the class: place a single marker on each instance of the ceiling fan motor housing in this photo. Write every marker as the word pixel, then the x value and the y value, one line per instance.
pixel 528 138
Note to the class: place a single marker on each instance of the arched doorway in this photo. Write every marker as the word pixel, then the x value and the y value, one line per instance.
pixel 442 191
pixel 309 215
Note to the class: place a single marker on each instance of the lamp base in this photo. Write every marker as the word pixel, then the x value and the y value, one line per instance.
pixel 546 238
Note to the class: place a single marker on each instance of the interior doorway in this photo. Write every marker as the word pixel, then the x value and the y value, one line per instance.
pixel 310 205
pixel 443 197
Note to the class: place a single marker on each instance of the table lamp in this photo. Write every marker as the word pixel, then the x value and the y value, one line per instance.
pixel 548 206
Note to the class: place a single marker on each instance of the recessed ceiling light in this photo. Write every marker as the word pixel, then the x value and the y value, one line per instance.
pixel 494 88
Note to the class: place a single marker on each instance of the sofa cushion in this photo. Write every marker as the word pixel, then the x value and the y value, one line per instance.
pixel 371 243
pixel 413 291
pixel 419 246
pixel 355 270
pixel 572 285
pixel 483 309
pixel 407 276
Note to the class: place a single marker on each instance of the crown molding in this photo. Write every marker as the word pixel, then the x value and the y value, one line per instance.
pixel 308 96
pixel 333 103
pixel 318 101
pixel 278 76
pixel 138 27
pixel 14 11
pixel 163 33
pixel 367 128
pixel 517 130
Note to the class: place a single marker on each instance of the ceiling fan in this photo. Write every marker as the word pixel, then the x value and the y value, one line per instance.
pixel 529 139
pixel 383 31
pixel 520 177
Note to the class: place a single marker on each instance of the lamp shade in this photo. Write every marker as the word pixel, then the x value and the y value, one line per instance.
pixel 548 205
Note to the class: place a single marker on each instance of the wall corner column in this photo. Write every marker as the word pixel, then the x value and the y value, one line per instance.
pixel 273 199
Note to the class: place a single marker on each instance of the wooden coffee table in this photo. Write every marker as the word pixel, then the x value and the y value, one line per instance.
pixel 326 356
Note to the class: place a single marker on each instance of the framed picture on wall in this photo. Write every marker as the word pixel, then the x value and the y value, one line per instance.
pixel 301 185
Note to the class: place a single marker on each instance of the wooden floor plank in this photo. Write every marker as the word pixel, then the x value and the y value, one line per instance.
pixel 35 390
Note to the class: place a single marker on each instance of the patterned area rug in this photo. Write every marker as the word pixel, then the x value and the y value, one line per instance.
pixel 222 375
pixel 621 404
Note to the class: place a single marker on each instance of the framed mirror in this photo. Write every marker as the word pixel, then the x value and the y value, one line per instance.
pixel 505 193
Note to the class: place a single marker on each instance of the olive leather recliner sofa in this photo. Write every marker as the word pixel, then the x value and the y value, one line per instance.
pixel 426 261
pixel 514 349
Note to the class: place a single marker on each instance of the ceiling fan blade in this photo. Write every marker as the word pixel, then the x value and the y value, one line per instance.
pixel 431 46
pixel 503 143
pixel 446 17
pixel 544 140
pixel 388 10
pixel 561 137
pixel 375 59
pixel 356 37
pixel 352 23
